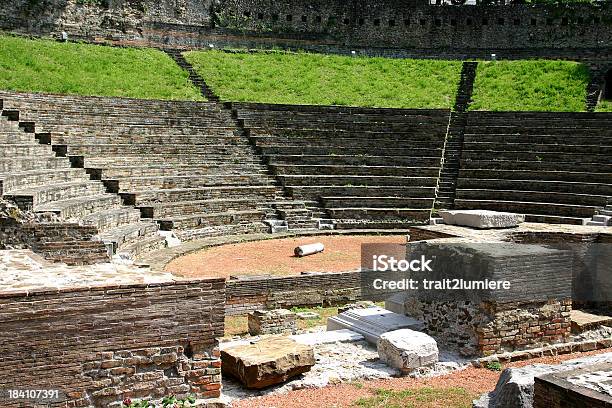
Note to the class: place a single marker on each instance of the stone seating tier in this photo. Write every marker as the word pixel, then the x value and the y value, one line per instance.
pixel 554 167
pixel 158 154
pixel 367 167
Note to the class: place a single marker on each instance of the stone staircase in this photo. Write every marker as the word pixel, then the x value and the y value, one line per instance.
pixel 453 146
pixel 35 178
pixel 603 217
pixel 288 214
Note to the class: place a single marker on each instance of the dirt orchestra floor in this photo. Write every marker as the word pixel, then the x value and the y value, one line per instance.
pixel 275 257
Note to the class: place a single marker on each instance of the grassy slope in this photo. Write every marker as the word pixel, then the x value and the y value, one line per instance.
pixel 328 80
pixel 530 85
pixel 68 68
pixel 604 106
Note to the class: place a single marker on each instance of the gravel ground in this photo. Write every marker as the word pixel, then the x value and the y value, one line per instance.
pixel 477 380
pixel 275 257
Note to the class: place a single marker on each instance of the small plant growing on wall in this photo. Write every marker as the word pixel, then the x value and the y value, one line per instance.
pixel 170 401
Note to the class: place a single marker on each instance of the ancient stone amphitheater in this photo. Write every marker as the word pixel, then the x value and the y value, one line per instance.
pixel 100 193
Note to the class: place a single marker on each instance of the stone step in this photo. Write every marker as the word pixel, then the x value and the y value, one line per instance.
pixel 376 226
pixel 534 185
pixel 167 159
pixel 174 182
pixel 377 202
pixel 209 220
pixel 535 149
pixel 353 151
pixel 33 178
pixel 203 139
pixel 336 142
pixel 21 150
pixel 605 219
pixel 403 214
pixel 28 163
pixel 16 136
pixel 531 165
pixel 222 230
pixel 551 137
pixel 524 207
pixel 149 243
pixel 314 192
pixel 431 161
pixel 554 219
pixel 170 209
pixel 145 149
pixel 535 196
pixel 288 134
pixel 118 172
pixel 534 175
pixel 552 157
pixel 57 192
pixel 129 233
pixel 80 207
pixel 146 198
pixel 111 218
pixel 286 169
pixel 350 180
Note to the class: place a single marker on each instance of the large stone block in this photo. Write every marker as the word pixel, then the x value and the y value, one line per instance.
pixel 407 349
pixel 515 386
pixel 269 361
pixel 483 219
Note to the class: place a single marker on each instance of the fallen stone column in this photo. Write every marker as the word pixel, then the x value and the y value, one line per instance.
pixel 310 249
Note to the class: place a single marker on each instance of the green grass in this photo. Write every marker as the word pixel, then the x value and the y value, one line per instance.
pixel 604 106
pixel 84 69
pixel 534 85
pixel 302 78
pixel 425 397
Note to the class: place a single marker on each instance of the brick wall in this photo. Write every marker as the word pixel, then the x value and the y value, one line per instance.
pixel 100 345
pixel 303 290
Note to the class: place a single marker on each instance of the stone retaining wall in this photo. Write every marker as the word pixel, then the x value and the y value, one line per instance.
pixel 102 344
pixel 383 27
pixel 325 289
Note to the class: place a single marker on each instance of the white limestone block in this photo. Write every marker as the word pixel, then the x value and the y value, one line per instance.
pixel 407 349
pixel 483 219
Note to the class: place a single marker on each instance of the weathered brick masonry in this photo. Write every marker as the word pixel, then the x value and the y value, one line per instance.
pixel 99 345
pixel 532 312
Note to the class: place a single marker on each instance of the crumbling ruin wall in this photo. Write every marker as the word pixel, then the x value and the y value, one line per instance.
pixel 382 27
pixel 54 240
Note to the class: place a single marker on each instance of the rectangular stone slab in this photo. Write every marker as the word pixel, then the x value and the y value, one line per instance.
pixel 270 361
pixel 335 336
pixel 372 322
pixel 483 219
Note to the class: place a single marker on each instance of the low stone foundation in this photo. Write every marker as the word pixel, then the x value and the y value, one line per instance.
pixel 277 321
pixel 488 328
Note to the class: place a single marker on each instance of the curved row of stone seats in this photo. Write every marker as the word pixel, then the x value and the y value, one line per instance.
pixel 554 167
pixel 32 176
pixel 367 168
pixel 184 164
